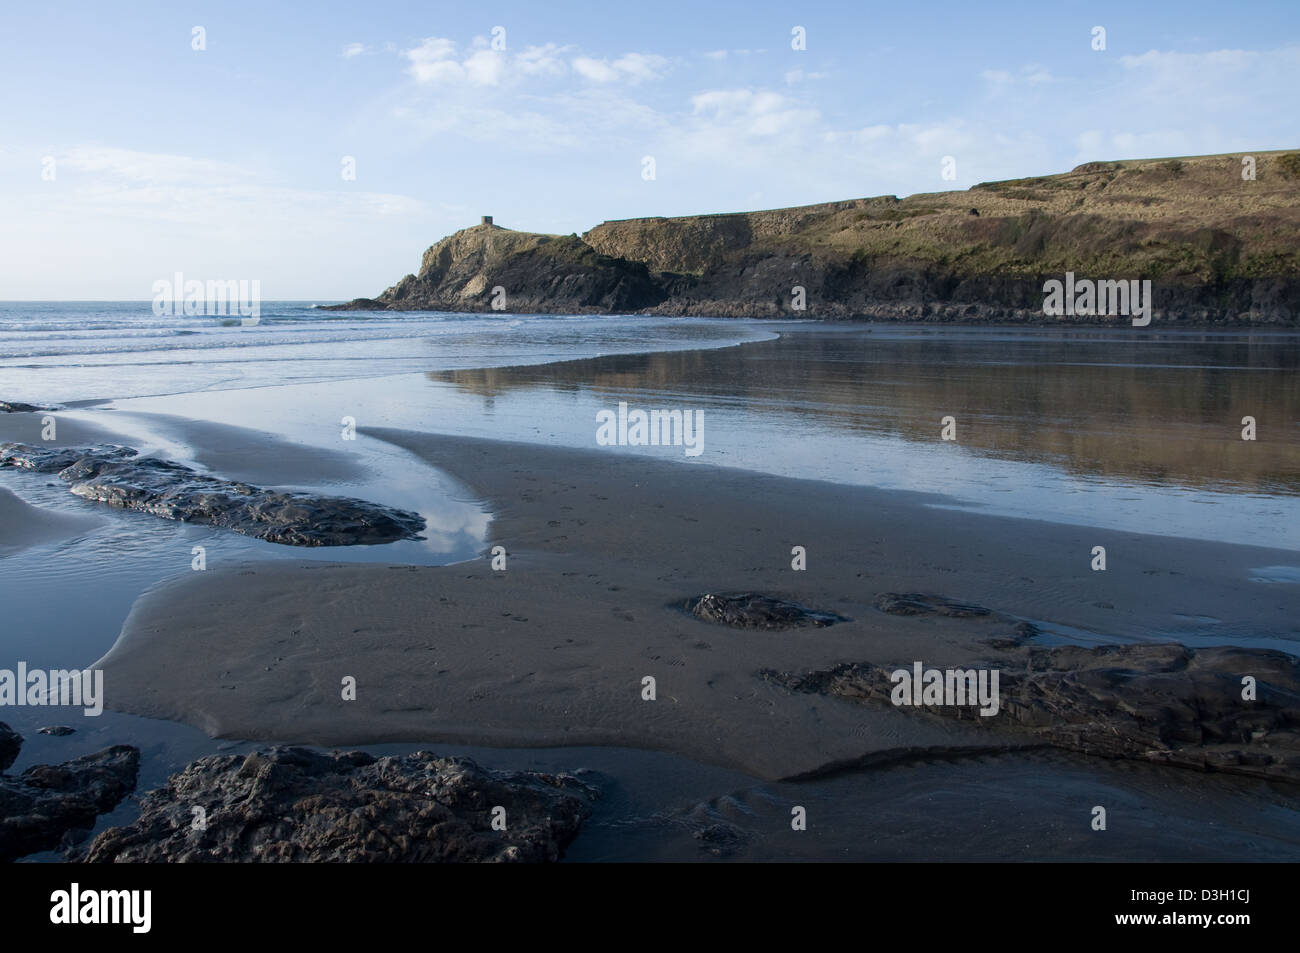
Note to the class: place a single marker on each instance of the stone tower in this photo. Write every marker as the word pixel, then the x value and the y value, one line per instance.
pixel 487 219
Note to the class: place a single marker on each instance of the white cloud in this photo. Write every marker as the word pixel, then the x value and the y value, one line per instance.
pixel 798 76
pixel 598 71
pixel 752 113
pixel 433 61
pixel 542 60
pixel 355 49
pixel 153 168
pixel 484 68
pixel 641 66
pixel 436 61
pixel 723 54
pixel 631 67
pixel 1032 75
pixel 592 119
pixel 1217 61
pixel 1218 77
pixel 185 189
pixel 871 133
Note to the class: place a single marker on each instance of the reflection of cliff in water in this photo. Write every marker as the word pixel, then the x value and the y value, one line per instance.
pixel 1155 408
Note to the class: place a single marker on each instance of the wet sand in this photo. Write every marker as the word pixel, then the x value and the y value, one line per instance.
pixel 602 549
pixel 252 456
pixel 23 525
pixel 68 431
pixel 236 453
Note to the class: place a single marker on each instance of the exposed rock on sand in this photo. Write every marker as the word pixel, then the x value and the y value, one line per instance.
pixel 119 477
pixel 749 610
pixel 921 604
pixel 15 407
pixel 915 603
pixel 11 742
pixel 722 840
pixel 1165 703
pixel 53 459
pixel 294 805
pixel 46 804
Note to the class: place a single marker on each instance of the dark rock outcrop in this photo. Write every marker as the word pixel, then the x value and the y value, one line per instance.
pixel 1164 703
pixel 11 742
pixel 47 805
pixel 57 731
pixel 54 459
pixel 360 304
pixel 722 839
pixel 299 805
pixel 487 268
pixel 16 407
pixel 915 603
pixel 924 604
pixel 750 610
pixel 119 477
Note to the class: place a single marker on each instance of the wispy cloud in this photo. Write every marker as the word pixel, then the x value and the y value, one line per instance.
pixel 799 76
pixel 631 67
pixel 751 113
pixel 112 164
pixel 439 61
pixel 100 180
pixel 1002 80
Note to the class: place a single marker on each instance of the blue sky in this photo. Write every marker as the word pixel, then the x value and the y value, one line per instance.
pixel 226 162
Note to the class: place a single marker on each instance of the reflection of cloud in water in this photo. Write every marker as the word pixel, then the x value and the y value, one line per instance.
pixel 455 527
pixel 1275 574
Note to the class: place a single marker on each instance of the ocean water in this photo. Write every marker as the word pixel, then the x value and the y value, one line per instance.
pixel 70 352
pixel 1123 429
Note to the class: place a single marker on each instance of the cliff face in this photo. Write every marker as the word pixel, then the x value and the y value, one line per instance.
pixel 1217 249
pixel 537 273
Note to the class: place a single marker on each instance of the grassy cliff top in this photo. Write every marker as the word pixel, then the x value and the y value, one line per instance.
pixel 1191 216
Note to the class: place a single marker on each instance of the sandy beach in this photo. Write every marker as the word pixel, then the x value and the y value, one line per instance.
pixel 603 550
pixel 1113 682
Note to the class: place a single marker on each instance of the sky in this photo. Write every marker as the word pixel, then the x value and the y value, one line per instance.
pixel 320 148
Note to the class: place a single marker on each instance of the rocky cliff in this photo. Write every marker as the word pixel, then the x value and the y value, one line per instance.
pixel 1217 247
